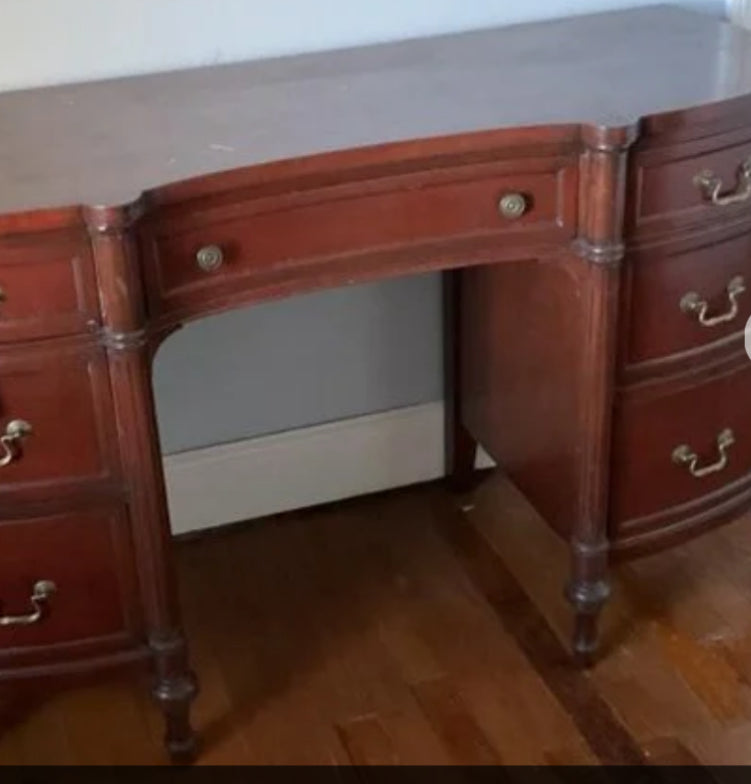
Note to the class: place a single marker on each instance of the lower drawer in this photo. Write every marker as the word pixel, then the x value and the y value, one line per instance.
pixel 677 446
pixel 67 585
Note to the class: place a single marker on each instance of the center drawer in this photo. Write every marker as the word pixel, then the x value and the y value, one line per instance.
pixel 677 444
pixel 67 583
pixel 196 252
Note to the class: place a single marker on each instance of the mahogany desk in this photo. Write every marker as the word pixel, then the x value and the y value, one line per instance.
pixel 588 184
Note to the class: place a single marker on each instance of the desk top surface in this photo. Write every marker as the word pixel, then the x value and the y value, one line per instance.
pixel 105 142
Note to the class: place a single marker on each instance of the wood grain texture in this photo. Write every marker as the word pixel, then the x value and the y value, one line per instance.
pixel 425 634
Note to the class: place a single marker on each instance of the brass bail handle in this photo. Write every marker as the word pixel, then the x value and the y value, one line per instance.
pixel 41 591
pixel 693 305
pixel 711 186
pixel 683 455
pixel 15 431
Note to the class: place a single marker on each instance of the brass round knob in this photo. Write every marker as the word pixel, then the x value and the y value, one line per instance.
pixel 210 258
pixel 512 205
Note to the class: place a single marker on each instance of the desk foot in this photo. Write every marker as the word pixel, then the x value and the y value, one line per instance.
pixel 174 690
pixel 587 598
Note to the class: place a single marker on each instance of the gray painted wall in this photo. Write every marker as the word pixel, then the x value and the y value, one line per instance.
pixel 300 361
pixel 307 360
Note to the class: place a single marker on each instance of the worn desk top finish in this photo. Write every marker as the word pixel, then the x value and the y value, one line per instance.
pixel 104 143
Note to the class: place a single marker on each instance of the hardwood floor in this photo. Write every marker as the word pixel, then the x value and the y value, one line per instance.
pixel 403 628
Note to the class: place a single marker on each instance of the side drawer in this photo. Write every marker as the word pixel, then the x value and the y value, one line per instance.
pixel 47 286
pixel 692 182
pixel 675 446
pixel 199 252
pixel 686 300
pixel 56 419
pixel 67 585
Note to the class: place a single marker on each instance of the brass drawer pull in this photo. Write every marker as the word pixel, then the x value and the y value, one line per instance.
pixel 210 258
pixel 692 304
pixel 512 205
pixel 711 186
pixel 685 456
pixel 14 432
pixel 40 593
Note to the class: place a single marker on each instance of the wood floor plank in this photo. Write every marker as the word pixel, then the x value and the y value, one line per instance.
pixel 707 673
pixel 455 725
pixel 669 751
pixel 367 742
pixel 397 629
pixel 594 717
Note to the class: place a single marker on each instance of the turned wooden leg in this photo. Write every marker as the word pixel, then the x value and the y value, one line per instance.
pixel 460 447
pixel 175 687
pixel 587 591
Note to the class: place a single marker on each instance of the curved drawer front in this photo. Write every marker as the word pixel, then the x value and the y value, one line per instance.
pixel 47 287
pixel 55 419
pixel 692 182
pixel 66 582
pixel 199 253
pixel 686 300
pixel 673 448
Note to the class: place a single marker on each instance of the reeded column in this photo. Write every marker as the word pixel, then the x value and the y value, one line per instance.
pixel 129 350
pixel 600 245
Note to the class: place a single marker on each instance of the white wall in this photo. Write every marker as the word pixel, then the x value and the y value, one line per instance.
pixel 288 364
pixel 47 41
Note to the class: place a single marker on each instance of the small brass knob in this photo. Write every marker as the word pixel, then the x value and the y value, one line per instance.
pixel 210 258
pixel 3 295
pixel 512 205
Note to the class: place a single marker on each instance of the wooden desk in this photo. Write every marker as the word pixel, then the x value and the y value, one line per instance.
pixel 585 183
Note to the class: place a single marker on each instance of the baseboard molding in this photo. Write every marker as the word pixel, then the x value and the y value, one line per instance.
pixel 313 465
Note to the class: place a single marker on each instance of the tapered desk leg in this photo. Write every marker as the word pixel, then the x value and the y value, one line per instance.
pixel 175 685
pixel 460 447
pixel 601 248
pixel 130 348
pixel 174 689
pixel 588 591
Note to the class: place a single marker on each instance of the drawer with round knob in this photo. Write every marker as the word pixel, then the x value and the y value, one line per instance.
pixel 681 299
pixel 47 286
pixel 56 424
pixel 335 233
pixel 67 585
pixel 679 444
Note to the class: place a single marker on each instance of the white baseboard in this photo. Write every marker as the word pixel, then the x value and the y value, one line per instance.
pixel 313 465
